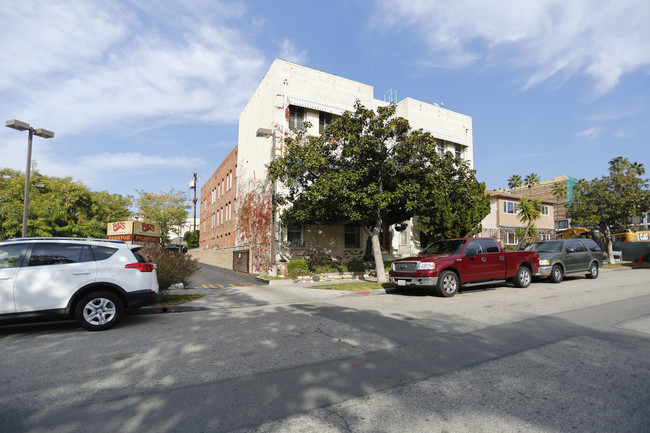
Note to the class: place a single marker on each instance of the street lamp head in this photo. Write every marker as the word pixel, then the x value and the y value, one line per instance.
pixel 17 124
pixel 43 133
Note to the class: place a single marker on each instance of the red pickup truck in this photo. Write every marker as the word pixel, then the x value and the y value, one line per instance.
pixel 448 264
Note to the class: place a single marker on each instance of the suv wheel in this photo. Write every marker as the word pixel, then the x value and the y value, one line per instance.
pixel 523 277
pixel 556 274
pixel 99 311
pixel 593 271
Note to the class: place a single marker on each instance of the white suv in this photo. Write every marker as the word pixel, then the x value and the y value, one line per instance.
pixel 90 280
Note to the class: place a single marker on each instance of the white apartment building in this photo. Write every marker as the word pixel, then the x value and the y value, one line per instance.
pixel 290 94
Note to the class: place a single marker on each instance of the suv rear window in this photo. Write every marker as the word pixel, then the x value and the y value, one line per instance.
pixel 139 257
pixel 593 246
pixel 57 254
pixel 102 253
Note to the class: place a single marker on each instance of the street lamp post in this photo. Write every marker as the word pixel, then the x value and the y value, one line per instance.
pixel 44 133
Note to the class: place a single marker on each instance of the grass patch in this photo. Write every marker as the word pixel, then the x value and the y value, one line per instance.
pixel 167 300
pixel 270 277
pixel 352 287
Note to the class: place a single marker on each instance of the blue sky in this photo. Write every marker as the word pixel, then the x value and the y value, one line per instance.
pixel 143 93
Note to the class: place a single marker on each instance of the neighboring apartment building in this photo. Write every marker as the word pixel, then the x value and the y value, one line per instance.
pixel 544 191
pixel 290 95
pixel 218 203
pixel 502 222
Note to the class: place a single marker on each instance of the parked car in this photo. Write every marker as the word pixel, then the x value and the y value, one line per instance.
pixel 91 281
pixel 568 256
pixel 448 264
pixel 176 247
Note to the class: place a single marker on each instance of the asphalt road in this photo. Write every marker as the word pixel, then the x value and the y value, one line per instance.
pixel 562 357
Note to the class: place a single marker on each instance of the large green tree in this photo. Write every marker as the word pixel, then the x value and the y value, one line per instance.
pixel 57 207
pixel 168 209
pixel 607 202
pixel 369 168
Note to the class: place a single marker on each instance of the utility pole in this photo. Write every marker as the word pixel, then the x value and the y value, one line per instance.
pixel 193 186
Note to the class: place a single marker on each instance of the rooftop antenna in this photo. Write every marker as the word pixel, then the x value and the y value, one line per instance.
pixel 390 96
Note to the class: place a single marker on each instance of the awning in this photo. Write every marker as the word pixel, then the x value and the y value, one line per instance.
pixel 315 106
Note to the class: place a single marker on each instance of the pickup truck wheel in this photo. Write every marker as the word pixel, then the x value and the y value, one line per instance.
pixel 523 277
pixel 556 274
pixel 447 285
pixel 593 271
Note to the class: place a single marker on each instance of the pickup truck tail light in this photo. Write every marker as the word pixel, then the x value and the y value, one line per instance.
pixel 142 267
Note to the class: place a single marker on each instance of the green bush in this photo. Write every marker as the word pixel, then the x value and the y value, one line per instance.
pixel 387 264
pixel 327 269
pixel 356 267
pixel 171 267
pixel 297 267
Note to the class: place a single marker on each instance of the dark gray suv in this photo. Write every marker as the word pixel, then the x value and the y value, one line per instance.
pixel 568 256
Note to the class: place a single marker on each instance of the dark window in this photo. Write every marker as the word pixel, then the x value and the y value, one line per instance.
pixel 9 255
pixel 459 151
pixel 489 246
pixel 324 120
pixel 473 245
pixel 593 246
pixel 55 254
pixel 102 253
pixel 86 255
pixel 296 117
pixel 139 257
pixel 295 236
pixel 352 236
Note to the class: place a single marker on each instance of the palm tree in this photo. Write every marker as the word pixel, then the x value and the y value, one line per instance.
pixel 529 212
pixel 531 180
pixel 559 190
pixel 514 181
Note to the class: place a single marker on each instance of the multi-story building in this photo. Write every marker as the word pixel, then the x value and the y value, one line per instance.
pixel 544 191
pixel 503 220
pixel 218 203
pixel 293 96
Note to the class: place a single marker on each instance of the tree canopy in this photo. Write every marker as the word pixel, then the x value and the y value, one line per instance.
pixel 57 207
pixel 606 203
pixel 168 209
pixel 369 168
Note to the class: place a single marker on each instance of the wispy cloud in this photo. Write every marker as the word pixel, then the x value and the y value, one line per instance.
pixel 591 133
pixel 546 39
pixel 100 65
pixel 291 53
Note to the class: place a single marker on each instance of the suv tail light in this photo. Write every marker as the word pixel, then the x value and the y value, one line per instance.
pixel 142 267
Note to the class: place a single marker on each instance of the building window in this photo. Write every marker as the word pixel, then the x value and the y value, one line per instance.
pixel 544 237
pixel 352 236
pixel 403 238
pixel 459 151
pixel 544 210
pixel 324 120
pixel 295 236
pixel 296 117
pixel 511 239
pixel 510 207
pixel 441 148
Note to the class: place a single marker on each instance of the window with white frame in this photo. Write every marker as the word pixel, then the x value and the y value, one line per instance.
pixel 510 207
pixel 545 210
pixel 544 237
pixel 295 236
pixel 296 117
pixel 511 239
pixel 441 148
pixel 324 120
pixel 459 151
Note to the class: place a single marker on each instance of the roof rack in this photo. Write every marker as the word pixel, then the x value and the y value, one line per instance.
pixel 65 239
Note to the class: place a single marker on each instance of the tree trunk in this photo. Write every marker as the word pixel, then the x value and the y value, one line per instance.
pixel 610 245
pixel 379 261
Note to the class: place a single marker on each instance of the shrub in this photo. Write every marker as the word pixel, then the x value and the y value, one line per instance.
pixel 327 269
pixel 297 267
pixel 171 267
pixel 356 267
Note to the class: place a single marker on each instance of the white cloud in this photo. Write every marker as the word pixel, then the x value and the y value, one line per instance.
pixel 591 133
pixel 291 53
pixel 550 39
pixel 88 65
